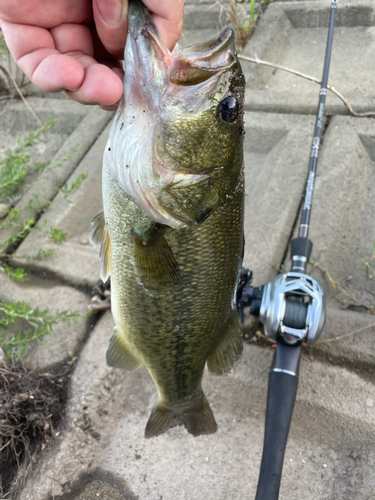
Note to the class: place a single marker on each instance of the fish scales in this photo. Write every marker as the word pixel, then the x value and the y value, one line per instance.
pixel 172 232
pixel 167 334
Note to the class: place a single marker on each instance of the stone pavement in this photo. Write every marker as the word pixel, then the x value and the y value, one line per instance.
pixel 100 451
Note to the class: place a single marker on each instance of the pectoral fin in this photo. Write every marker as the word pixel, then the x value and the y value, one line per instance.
pixel 228 350
pixel 154 256
pixel 99 237
pixel 120 356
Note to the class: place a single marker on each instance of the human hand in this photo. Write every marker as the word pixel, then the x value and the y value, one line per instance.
pixel 78 45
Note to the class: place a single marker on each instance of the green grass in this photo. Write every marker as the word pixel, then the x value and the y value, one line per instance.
pixel 15 163
pixel 20 323
pixel 366 259
pixel 20 235
pixel 39 205
pixel 68 191
pixel 243 18
pixel 44 254
pixel 15 273
pixel 253 15
pixel 56 235
pixel 3 47
pixel 30 324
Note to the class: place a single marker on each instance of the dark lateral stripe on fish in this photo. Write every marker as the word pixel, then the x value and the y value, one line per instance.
pixel 179 368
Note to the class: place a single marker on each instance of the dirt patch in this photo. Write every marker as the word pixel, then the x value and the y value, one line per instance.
pixel 31 406
pixel 99 484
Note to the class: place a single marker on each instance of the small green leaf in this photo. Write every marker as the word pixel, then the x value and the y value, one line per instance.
pixel 67 191
pixel 56 235
pixel 44 254
pixel 16 274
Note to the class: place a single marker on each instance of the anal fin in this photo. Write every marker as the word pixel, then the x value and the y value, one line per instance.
pixel 119 355
pixel 229 349
pixel 154 256
pixel 198 419
pixel 99 237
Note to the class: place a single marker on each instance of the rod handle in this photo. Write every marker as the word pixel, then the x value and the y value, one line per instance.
pixel 282 390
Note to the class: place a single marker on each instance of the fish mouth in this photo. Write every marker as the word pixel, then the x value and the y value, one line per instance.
pixel 147 59
pixel 152 73
pixel 156 66
pixel 198 63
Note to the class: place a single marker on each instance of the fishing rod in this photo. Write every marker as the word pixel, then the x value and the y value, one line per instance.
pixel 292 310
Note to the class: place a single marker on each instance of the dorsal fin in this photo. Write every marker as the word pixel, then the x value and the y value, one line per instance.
pixel 99 237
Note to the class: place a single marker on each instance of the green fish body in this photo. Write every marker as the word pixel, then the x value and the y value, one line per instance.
pixel 171 234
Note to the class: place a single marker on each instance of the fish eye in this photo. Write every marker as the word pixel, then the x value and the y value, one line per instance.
pixel 229 109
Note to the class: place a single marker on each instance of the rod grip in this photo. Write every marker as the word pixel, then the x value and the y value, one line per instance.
pixel 282 390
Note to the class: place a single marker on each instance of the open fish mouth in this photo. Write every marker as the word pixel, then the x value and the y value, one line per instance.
pixel 155 80
pixel 151 67
pixel 198 63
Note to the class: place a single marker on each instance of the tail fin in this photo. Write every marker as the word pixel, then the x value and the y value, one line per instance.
pixel 198 419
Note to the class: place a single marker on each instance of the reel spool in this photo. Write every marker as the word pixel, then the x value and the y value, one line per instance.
pixel 293 307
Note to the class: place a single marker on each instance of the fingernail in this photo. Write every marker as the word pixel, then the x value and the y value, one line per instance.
pixel 113 11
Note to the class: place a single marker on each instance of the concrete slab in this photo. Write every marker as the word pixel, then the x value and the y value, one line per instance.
pixel 75 261
pixel 18 119
pixel 356 352
pixel 329 452
pixel 294 35
pixel 79 131
pixel 45 294
pixel 204 16
pixel 191 37
pixel 277 150
pixel 342 225
pixel 342 221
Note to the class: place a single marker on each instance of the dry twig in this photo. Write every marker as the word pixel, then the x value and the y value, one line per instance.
pixel 10 76
pixel 334 339
pixel 336 287
pixel 308 77
pixel 261 335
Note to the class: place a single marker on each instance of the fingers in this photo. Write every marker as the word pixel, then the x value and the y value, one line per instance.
pixel 45 14
pixel 111 21
pixel 73 38
pixel 168 17
pixel 101 84
pixel 61 59
pixel 34 51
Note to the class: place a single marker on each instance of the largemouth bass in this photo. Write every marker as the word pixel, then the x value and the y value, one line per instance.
pixel 171 234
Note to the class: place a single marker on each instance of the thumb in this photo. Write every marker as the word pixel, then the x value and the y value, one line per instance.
pixel 111 20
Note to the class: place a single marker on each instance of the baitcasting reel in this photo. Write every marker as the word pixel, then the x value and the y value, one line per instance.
pixel 292 306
